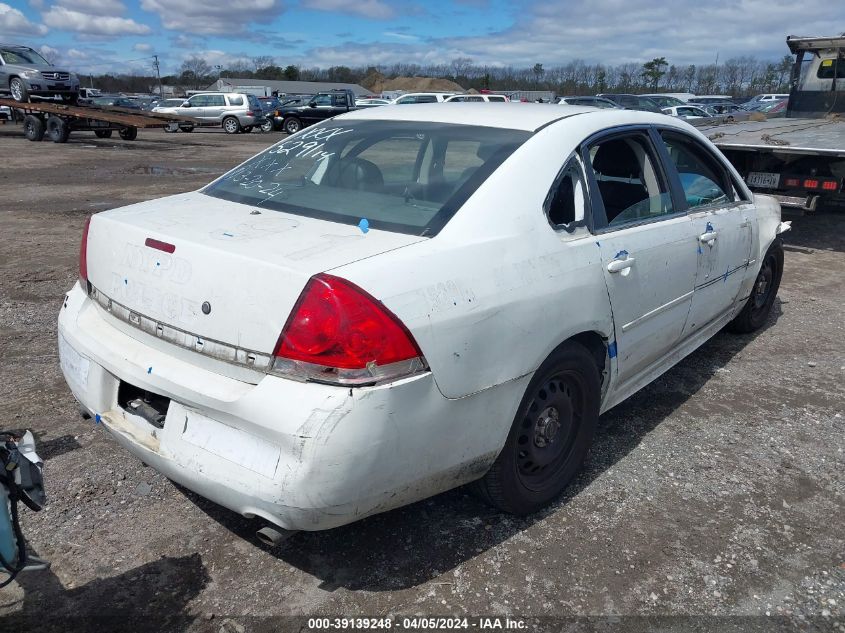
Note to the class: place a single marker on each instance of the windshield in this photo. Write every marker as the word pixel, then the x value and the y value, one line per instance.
pixel 403 176
pixel 22 56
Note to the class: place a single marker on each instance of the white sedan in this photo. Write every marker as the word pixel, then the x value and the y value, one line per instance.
pixel 398 301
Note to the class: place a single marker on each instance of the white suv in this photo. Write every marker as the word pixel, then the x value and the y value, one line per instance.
pixel 422 97
pixel 478 98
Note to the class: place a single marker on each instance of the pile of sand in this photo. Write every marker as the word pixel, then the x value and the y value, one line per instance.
pixel 414 84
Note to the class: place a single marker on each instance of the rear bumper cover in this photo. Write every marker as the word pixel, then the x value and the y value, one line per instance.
pixel 304 456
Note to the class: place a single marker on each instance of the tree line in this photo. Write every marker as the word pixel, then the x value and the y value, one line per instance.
pixel 738 76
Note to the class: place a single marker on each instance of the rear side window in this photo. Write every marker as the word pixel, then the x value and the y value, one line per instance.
pixel 235 100
pixel 426 99
pixel 703 179
pixel 493 98
pixel 630 185
pixel 403 176
pixel 216 100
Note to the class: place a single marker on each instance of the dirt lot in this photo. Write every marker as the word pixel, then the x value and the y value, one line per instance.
pixel 718 492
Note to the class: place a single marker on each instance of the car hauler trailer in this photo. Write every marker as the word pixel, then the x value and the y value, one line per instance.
pixel 799 159
pixel 56 122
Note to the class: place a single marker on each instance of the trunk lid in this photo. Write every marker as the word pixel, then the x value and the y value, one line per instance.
pixel 233 275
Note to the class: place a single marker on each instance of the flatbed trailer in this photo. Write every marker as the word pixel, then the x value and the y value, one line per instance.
pixel 56 121
pixel 799 159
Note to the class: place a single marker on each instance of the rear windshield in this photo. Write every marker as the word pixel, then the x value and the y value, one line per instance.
pixel 403 176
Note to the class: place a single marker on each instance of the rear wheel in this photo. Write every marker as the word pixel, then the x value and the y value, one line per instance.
pixel 231 125
pixel 33 127
pixel 129 133
pixel 57 129
pixel 756 310
pixel 267 126
pixel 292 125
pixel 187 128
pixel 550 436
pixel 103 133
pixel 18 89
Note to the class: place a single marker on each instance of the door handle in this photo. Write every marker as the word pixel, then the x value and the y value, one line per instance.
pixel 708 238
pixel 618 265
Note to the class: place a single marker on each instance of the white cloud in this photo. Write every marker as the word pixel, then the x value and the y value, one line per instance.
pixel 69 20
pixel 373 9
pixel 401 36
pixel 13 22
pixel 94 7
pixel 223 18
pixel 142 48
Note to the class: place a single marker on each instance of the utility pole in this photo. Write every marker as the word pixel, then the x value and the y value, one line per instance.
pixel 158 74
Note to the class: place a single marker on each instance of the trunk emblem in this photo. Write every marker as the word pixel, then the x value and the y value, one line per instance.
pixel 206 307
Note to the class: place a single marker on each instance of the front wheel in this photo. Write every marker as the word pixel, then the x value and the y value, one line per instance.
pixel 550 436
pixel 33 127
pixel 267 126
pixel 756 310
pixel 292 125
pixel 103 133
pixel 231 125
pixel 18 89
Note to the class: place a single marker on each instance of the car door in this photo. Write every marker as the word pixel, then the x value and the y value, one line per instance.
pixel 215 107
pixel 723 223
pixel 647 248
pixel 319 108
pixel 197 107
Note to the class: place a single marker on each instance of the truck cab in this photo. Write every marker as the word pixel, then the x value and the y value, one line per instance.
pixel 818 76
pixel 320 107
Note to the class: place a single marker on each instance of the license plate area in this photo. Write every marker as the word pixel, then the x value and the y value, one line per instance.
pixel 146 404
pixel 763 179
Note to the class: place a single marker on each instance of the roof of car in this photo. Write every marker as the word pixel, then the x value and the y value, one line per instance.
pixel 512 115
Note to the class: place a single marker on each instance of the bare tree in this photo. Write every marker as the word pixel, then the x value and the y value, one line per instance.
pixel 461 66
pixel 262 61
pixel 195 70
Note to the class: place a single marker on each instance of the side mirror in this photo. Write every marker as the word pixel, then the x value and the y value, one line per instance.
pixel 187 104
pixel 311 104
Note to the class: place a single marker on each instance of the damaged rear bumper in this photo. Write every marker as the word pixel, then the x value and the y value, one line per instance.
pixel 304 456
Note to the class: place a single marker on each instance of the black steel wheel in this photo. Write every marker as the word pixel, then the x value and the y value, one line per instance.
pixel 129 133
pixel 550 436
pixel 33 127
pixel 756 310
pixel 103 133
pixel 57 129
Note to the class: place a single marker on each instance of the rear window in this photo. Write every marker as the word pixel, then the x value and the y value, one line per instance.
pixel 402 176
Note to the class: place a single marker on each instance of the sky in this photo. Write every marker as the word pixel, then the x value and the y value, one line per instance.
pixel 120 36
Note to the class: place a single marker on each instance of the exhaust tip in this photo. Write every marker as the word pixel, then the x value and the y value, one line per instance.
pixel 271 536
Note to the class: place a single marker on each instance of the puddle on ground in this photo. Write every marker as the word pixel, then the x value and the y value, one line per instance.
pixel 157 170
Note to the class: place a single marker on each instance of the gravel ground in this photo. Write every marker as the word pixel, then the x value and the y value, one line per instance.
pixel 713 499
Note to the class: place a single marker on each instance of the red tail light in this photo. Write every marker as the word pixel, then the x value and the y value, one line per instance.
pixel 83 252
pixel 338 333
pixel 829 185
pixel 810 183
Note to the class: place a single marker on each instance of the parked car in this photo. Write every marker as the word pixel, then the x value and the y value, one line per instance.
pixel 24 73
pixel 489 98
pixel 708 99
pixel 775 109
pixel 272 113
pixel 632 102
pixel 422 97
pixel 167 106
pixel 115 101
pixel 666 101
pixel 320 107
pixel 593 102
pixel 371 102
pixel 688 112
pixel 767 98
pixel 683 97
pixel 6 113
pixel 421 302
pixel 235 112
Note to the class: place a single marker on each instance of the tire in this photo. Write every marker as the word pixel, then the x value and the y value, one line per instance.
pixel 103 133
pixel 550 436
pixel 58 130
pixel 70 99
pixel 33 127
pixel 171 129
pixel 187 129
pixel 267 126
pixel 18 89
pixel 247 129
pixel 231 125
pixel 129 133
pixel 756 311
pixel 292 125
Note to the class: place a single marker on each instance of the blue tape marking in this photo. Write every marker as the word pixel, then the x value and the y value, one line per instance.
pixel 149 370
pixel 611 350
pixel 725 278
pixel 598 244
pixel 126 282
pixel 699 249
pixel 364 225
pixel 709 228
pixel 158 263
pixel 621 254
pixel 228 235
pixel 97 418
